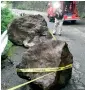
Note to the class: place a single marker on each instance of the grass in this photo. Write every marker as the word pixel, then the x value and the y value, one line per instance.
pixel 7 52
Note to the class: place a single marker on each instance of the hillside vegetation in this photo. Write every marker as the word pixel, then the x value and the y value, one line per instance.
pixel 42 6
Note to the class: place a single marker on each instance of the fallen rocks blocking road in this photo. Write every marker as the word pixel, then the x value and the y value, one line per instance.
pixel 26 29
pixel 46 54
pixel 43 52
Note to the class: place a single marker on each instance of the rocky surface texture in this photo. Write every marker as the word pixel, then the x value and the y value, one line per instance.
pixel 32 31
pixel 49 53
pixel 28 28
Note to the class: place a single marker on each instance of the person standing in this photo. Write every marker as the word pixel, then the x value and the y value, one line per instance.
pixel 58 20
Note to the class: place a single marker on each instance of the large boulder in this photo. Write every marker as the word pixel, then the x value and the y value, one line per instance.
pixel 24 29
pixel 49 53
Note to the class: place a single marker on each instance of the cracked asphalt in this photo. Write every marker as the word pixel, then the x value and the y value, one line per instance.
pixel 74 35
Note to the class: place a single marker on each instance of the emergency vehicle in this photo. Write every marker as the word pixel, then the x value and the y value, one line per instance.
pixel 69 10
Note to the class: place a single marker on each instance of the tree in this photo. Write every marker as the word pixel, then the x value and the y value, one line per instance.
pixel 6 18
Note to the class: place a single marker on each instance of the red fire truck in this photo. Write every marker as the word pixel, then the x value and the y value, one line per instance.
pixel 69 10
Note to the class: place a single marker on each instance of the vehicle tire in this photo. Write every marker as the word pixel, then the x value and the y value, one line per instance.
pixel 73 21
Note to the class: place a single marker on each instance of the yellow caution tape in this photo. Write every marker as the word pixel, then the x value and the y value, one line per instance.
pixel 45 69
pixel 52 70
pixel 16 87
pixel 52 35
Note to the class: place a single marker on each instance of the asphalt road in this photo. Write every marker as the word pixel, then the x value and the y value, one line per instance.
pixel 74 35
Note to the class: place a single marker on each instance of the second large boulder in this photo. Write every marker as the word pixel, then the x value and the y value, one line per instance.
pixel 51 54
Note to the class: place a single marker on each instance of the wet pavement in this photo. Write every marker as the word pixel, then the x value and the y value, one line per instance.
pixel 74 35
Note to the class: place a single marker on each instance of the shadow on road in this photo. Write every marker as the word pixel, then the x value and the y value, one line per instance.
pixel 80 22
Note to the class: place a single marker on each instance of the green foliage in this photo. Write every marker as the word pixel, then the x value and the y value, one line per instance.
pixel 6 18
pixel 83 15
pixel 81 8
pixel 42 6
pixel 30 5
pixel 8 46
pixel 6 50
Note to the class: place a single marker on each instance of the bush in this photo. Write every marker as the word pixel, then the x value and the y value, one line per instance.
pixel 83 15
pixel 81 8
pixel 6 18
pixel 6 50
pixel 30 5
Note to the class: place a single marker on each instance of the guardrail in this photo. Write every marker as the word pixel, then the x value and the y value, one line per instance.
pixel 4 40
